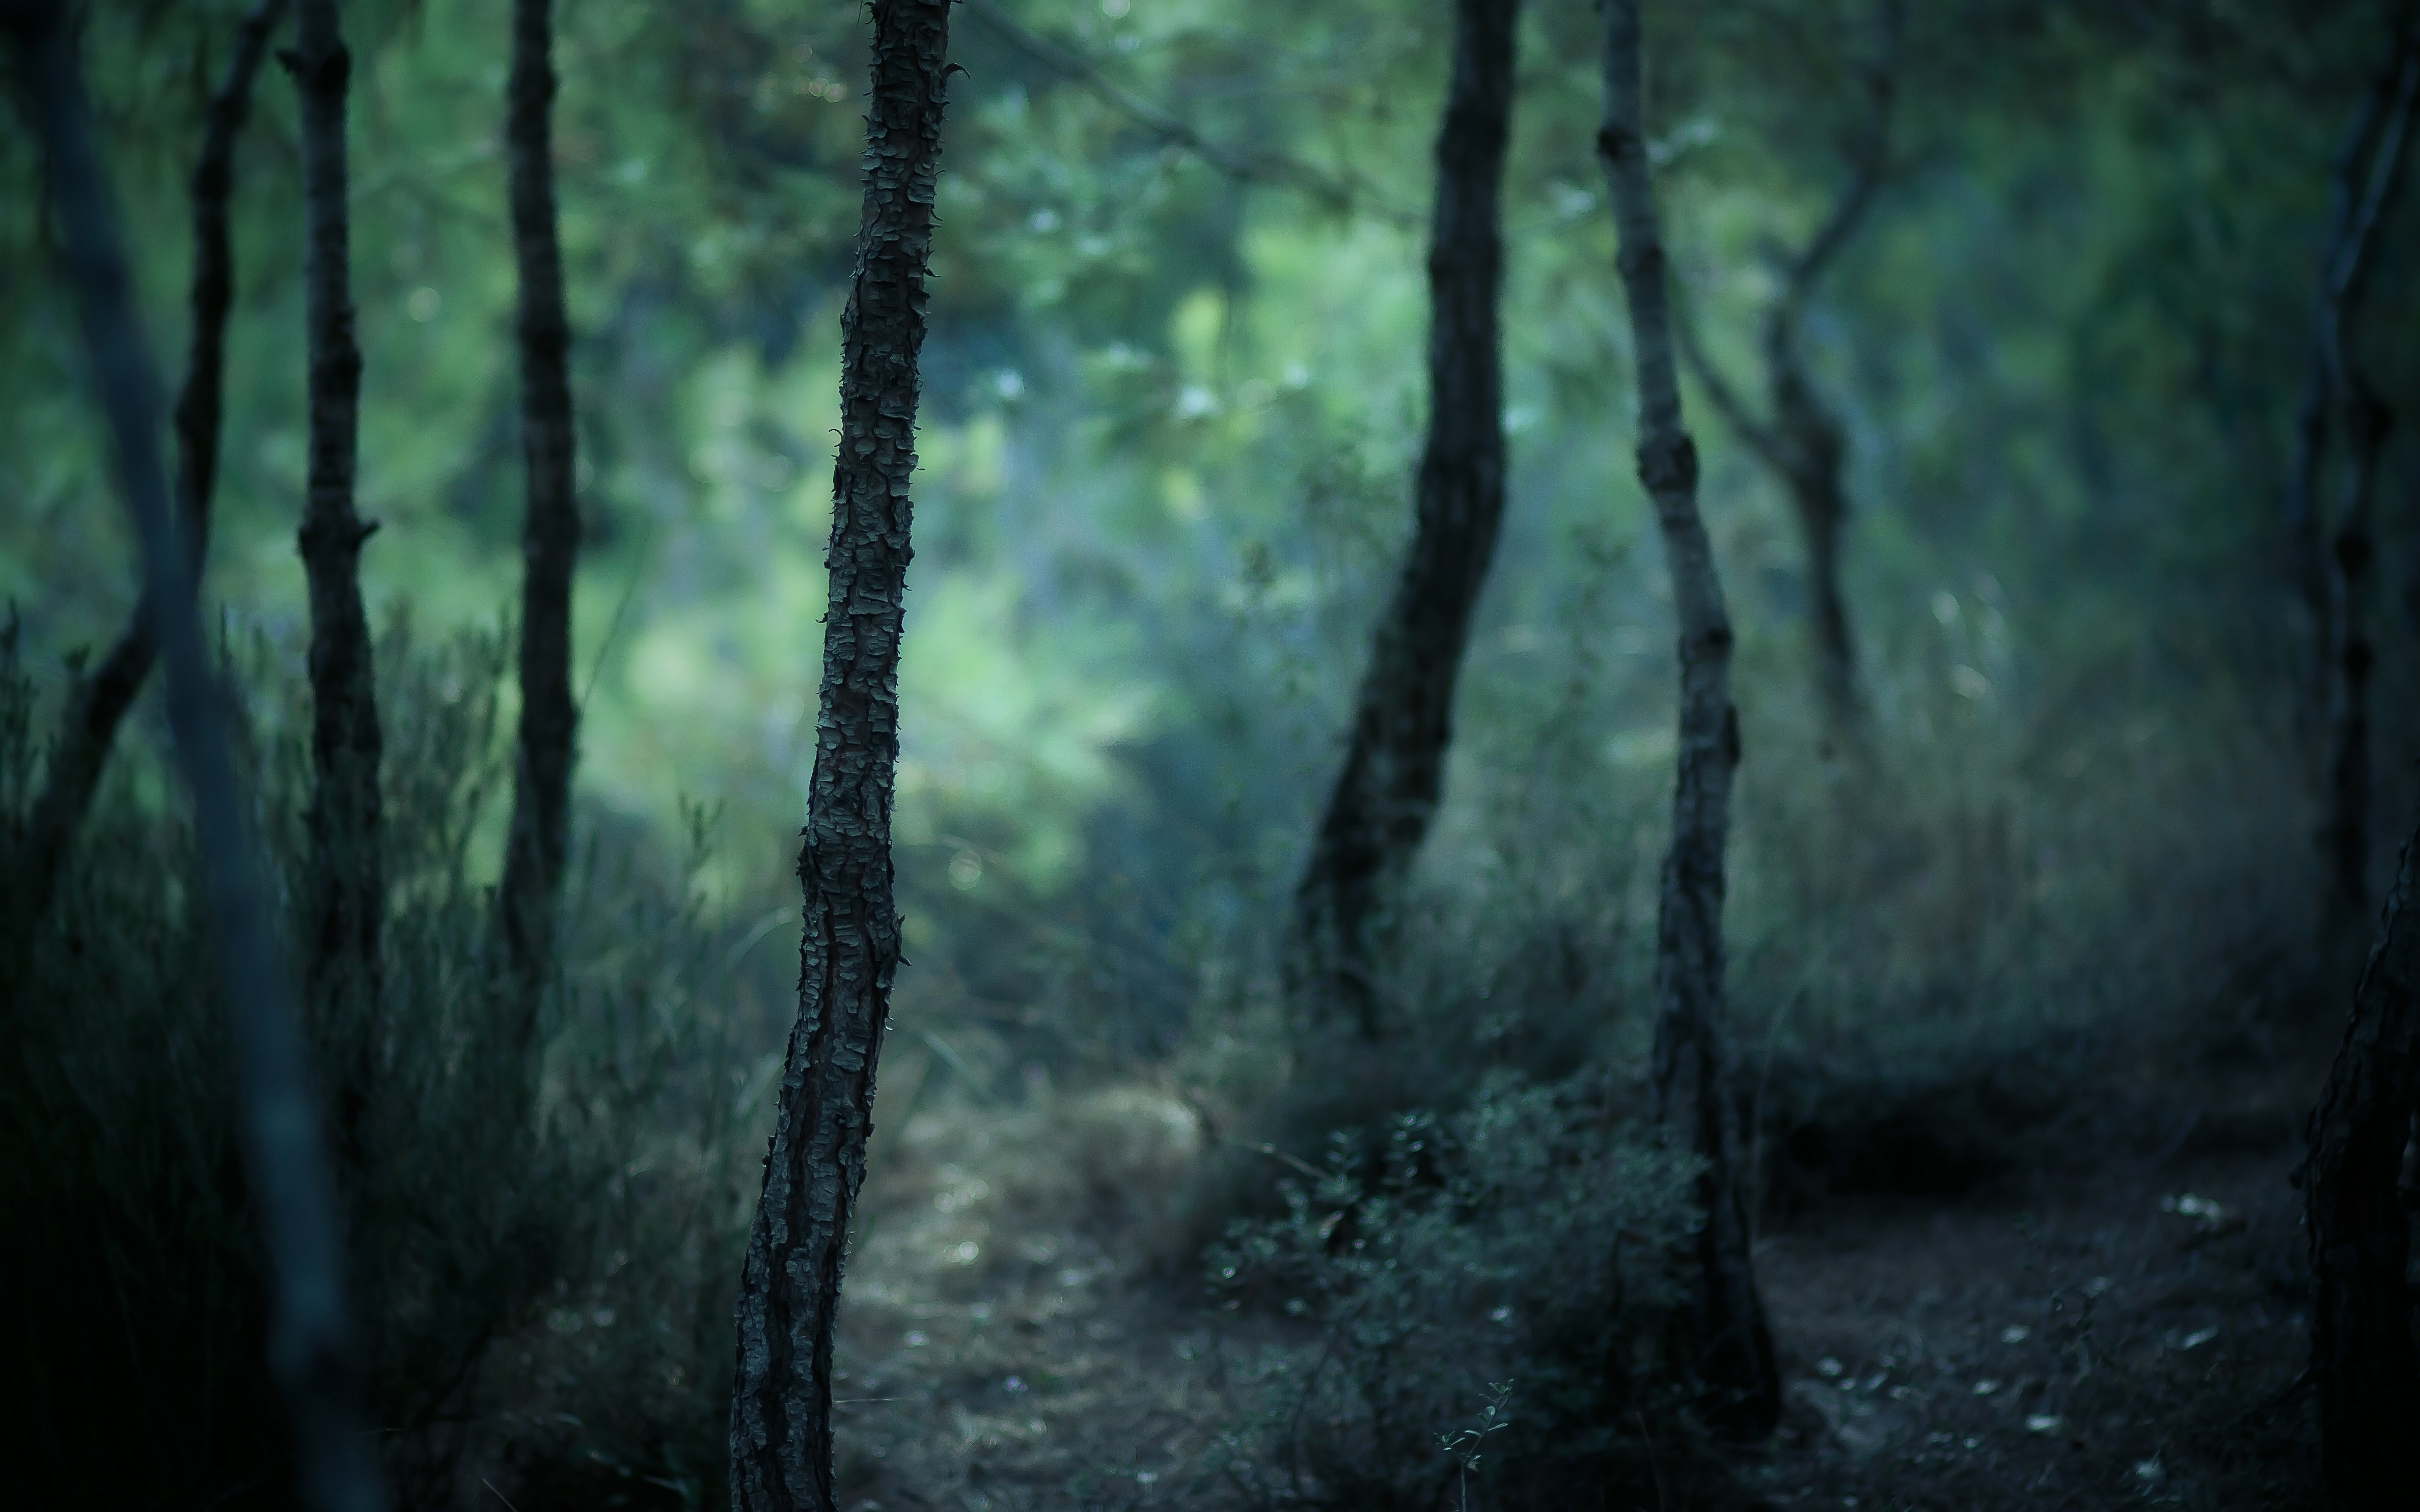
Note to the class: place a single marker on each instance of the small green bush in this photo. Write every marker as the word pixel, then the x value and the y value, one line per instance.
pixel 1525 1242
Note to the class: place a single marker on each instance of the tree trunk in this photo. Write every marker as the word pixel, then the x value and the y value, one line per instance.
pixel 1803 444
pixel 1820 502
pixel 2305 522
pixel 346 888
pixel 1733 1344
pixel 310 1351
pixel 528 901
pixel 2359 1227
pixel 789 1294
pixel 98 701
pixel 2352 548
pixel 1403 719
pixel 2352 554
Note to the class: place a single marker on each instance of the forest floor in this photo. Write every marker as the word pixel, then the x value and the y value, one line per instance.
pixel 2118 1327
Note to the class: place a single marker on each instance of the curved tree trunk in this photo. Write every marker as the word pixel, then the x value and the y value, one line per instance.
pixel 1803 444
pixel 2359 1227
pixel 1732 1342
pixel 789 1291
pixel 98 701
pixel 2353 547
pixel 345 894
pixel 528 900
pixel 1402 716
pixel 310 1353
pixel 1820 499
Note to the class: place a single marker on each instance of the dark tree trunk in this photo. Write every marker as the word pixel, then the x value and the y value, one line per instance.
pixel 309 1346
pixel 1802 444
pixel 1403 717
pixel 1733 1344
pixel 98 701
pixel 527 902
pixel 1820 501
pixel 2365 421
pixel 2359 1227
pixel 2352 553
pixel 789 1290
pixel 2305 522
pixel 346 887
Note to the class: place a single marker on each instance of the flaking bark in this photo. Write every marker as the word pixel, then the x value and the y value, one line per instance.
pixel 781 1403
pixel 529 898
pixel 1403 719
pixel 2359 1227
pixel 1803 443
pixel 346 888
pixel 310 1353
pixel 1732 1341
pixel 99 700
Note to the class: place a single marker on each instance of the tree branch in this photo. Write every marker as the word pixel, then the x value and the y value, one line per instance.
pixel 1868 165
pixel 1338 193
pixel 1758 437
pixel 2348 274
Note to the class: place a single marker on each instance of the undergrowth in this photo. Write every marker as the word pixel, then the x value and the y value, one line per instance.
pixel 538 1249
pixel 1511 1261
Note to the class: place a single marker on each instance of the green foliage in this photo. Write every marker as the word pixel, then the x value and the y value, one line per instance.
pixel 483 1196
pixel 1528 1240
pixel 1170 425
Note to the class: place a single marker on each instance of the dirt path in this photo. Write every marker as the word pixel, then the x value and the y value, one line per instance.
pixel 2124 1335
pixel 2120 1339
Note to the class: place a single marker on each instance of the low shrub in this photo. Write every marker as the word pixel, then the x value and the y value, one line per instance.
pixel 1510 1263
pixel 499 1212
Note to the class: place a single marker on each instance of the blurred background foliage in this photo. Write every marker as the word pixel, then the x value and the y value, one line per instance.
pixel 1174 393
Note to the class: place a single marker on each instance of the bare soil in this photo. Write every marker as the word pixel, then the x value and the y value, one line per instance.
pixel 2105 1330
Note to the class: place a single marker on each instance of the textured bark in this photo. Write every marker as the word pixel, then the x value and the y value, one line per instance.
pixel 789 1294
pixel 528 901
pixel 2352 546
pixel 1403 717
pixel 1733 1343
pixel 346 887
pixel 293 1197
pixel 2359 1227
pixel 99 700
pixel 1802 444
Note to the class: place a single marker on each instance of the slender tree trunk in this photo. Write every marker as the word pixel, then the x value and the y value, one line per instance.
pixel 310 1343
pixel 98 701
pixel 2359 1226
pixel 346 889
pixel 1403 717
pixel 2365 421
pixel 528 901
pixel 1803 444
pixel 1819 499
pixel 1732 1342
pixel 2305 522
pixel 789 1290
pixel 2352 553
